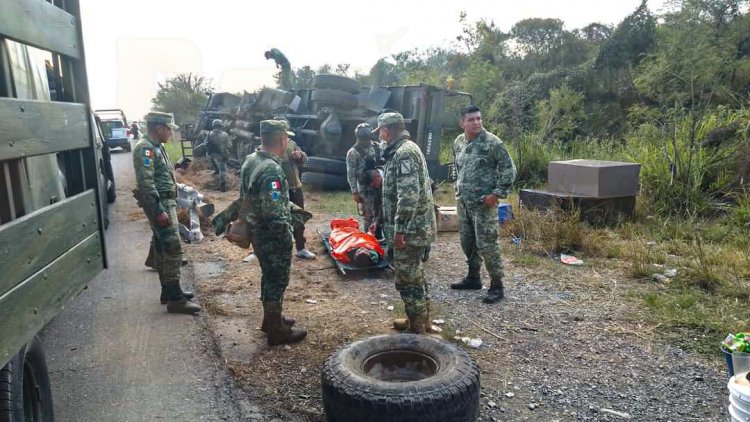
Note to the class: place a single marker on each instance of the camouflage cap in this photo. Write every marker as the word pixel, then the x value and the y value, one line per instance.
pixel 163 118
pixel 386 119
pixel 275 127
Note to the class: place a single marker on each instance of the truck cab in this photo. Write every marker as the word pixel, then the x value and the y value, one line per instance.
pixel 51 191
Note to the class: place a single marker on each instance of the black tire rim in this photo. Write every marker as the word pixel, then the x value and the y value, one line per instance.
pixel 32 393
pixel 400 365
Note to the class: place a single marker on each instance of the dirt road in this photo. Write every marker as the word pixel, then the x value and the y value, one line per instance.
pixel 116 355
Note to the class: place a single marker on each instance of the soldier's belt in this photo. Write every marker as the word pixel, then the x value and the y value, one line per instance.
pixel 168 195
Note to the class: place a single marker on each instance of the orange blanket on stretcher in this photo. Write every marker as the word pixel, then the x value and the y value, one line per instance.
pixel 346 236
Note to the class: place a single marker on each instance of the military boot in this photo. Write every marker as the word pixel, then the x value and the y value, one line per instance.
pixel 420 324
pixel 278 332
pixel 177 303
pixel 288 321
pixel 150 259
pixel 495 293
pixel 163 297
pixel 401 324
pixel 473 281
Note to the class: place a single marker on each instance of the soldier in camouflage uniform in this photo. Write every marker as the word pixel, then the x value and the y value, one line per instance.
pixel 264 191
pixel 360 162
pixel 485 174
pixel 156 192
pixel 408 216
pixel 292 159
pixel 218 146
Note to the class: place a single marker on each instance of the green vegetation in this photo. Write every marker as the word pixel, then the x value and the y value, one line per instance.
pixel 183 95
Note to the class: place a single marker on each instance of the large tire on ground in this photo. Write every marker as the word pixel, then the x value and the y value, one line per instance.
pixel 325 181
pixel 25 392
pixel 401 378
pixel 342 83
pixel 334 98
pixel 325 165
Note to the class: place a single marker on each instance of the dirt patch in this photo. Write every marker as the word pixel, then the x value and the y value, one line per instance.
pixel 567 343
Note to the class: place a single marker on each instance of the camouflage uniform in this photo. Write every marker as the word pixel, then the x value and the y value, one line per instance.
pixel 484 167
pixel 218 146
pixel 357 159
pixel 408 208
pixel 264 185
pixel 156 192
pixel 290 167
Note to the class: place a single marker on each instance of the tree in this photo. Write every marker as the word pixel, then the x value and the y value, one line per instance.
pixel 183 95
pixel 561 117
pixel 538 36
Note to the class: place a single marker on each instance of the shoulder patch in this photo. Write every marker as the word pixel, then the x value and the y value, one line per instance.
pixel 404 167
pixel 147 162
pixel 275 195
pixel 275 185
pixel 148 152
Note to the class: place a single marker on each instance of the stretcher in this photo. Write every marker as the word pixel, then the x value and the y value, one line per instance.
pixel 343 268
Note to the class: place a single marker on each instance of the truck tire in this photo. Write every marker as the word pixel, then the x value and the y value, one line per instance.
pixel 25 392
pixel 325 181
pixel 325 165
pixel 334 98
pixel 401 378
pixel 342 83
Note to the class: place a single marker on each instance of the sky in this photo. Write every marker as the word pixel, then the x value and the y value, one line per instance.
pixel 131 46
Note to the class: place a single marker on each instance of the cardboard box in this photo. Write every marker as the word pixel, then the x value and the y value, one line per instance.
pixel 447 219
pixel 594 178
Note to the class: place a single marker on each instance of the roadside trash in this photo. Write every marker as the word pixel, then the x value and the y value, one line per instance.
pixel 651 243
pixel 492 404
pixel 661 278
pixel 504 213
pixel 509 395
pixel 474 343
pixel 436 329
pixel 390 308
pixel 735 344
pixel 311 301
pixel 383 296
pixel 516 240
pixel 570 260
pixel 670 273
pixel 250 258
pixel 438 321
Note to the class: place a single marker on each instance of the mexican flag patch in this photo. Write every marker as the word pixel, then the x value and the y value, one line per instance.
pixel 275 185
pixel 148 153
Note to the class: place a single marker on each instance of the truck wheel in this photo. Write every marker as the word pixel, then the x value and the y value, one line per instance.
pixel 401 378
pixel 325 181
pixel 325 165
pixel 334 98
pixel 25 392
pixel 342 83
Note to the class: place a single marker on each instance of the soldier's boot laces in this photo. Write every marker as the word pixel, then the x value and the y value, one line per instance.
pixel 495 293
pixel 286 320
pixel 470 282
pixel 182 306
pixel 278 332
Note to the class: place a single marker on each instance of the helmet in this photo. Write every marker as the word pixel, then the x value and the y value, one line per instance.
pixel 217 123
pixel 363 131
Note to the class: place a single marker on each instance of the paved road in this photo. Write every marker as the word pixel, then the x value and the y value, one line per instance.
pixel 115 354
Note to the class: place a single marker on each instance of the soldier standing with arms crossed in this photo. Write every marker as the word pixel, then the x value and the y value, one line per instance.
pixel 360 162
pixel 156 192
pixel 408 216
pixel 218 145
pixel 265 194
pixel 485 173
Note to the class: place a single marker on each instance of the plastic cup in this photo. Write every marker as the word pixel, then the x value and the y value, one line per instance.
pixel 740 362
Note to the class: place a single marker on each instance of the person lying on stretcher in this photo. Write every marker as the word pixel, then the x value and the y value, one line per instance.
pixel 350 245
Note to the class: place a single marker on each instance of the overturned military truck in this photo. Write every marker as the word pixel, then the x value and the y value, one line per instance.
pixel 324 118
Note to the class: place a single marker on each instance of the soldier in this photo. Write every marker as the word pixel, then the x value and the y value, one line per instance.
pixel 408 216
pixel 485 174
pixel 264 190
pixel 291 160
pixel 217 147
pixel 360 163
pixel 156 192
